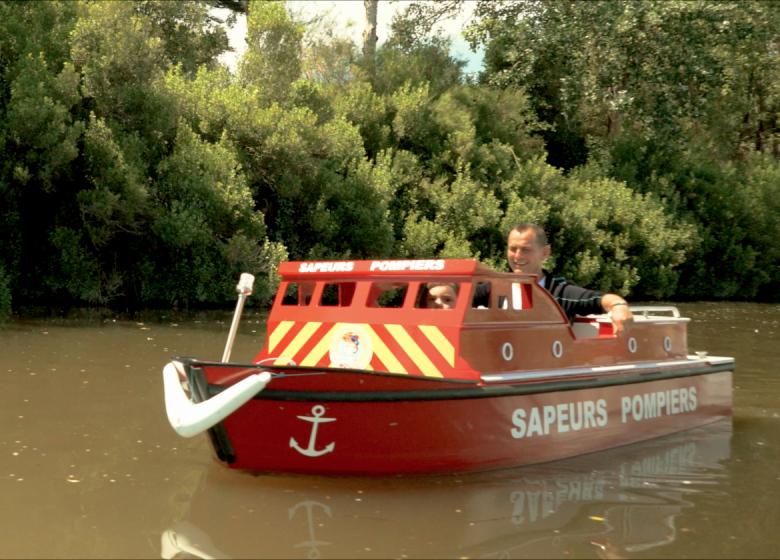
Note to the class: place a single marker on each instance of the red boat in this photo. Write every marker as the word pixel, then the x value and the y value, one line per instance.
pixel 360 376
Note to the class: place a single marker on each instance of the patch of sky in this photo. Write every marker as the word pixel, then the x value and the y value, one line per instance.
pixel 350 14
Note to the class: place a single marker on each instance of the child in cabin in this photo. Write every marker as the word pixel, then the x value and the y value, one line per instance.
pixel 441 296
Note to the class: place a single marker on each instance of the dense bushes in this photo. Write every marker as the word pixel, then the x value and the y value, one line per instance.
pixel 678 100
pixel 136 170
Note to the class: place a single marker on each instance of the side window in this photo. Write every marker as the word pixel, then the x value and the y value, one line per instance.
pixel 522 296
pixel 337 295
pixel 437 295
pixel 516 296
pixel 387 294
pixel 298 294
pixel 481 299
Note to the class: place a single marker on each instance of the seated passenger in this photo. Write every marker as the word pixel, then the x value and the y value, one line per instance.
pixel 441 296
pixel 527 249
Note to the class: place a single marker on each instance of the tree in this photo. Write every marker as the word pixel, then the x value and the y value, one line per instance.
pixel 369 33
pixel 272 61
pixel 672 98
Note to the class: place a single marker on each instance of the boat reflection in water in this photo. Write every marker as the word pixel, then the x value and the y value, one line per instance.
pixel 616 503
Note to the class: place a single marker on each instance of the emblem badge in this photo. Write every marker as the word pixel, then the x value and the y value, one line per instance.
pixel 351 347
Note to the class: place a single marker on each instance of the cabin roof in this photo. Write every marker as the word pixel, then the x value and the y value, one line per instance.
pixel 382 268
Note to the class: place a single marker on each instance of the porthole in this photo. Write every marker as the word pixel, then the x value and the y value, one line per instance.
pixel 507 352
pixel 632 345
pixel 557 349
pixel 668 344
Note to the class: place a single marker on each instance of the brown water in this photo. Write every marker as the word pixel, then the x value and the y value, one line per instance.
pixel 89 466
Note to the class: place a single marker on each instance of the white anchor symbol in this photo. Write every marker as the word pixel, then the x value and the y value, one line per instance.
pixel 310 451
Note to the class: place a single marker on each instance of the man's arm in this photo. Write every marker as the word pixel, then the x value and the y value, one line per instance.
pixel 617 307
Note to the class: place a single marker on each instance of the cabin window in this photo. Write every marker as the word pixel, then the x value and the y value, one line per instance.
pixel 437 295
pixel 337 295
pixel 481 298
pixel 298 294
pixel 387 294
pixel 522 295
pixel 516 296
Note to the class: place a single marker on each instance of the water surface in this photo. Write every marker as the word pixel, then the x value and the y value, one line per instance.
pixel 90 468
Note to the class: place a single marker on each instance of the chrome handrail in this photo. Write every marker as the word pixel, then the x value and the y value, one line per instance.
pixel 645 310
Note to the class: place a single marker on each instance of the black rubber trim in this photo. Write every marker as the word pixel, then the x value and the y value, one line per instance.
pixel 479 392
pixel 201 391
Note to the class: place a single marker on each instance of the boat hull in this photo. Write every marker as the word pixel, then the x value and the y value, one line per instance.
pixel 366 433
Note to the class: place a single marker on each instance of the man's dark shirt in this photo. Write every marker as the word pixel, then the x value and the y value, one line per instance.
pixel 572 299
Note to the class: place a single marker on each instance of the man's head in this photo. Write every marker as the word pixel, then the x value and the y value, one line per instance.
pixel 527 249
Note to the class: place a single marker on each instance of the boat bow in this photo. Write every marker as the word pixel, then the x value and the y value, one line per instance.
pixel 190 419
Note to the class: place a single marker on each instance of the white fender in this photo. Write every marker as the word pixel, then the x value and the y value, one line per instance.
pixel 189 419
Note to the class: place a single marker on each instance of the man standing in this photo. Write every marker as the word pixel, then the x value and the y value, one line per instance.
pixel 527 249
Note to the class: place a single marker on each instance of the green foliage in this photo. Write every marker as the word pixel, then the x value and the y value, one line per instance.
pixel 191 36
pixel 610 237
pixel 111 197
pixel 5 294
pixel 273 56
pixel 136 170
pixel 672 98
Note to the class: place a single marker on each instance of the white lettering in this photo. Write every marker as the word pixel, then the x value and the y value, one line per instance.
pixel 625 406
pixel 601 408
pixel 331 266
pixel 549 418
pixel 661 401
pixel 683 400
pixel 535 423
pixel 563 416
pixel 518 420
pixel 650 405
pixel 675 401
pixel 636 407
pixel 656 404
pixel 590 409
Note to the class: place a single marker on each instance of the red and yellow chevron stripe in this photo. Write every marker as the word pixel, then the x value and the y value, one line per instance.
pixel 417 350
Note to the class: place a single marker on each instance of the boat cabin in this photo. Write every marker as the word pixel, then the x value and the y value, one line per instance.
pixel 430 318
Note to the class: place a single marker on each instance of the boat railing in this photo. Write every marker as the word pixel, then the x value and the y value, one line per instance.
pixel 654 310
pixel 641 313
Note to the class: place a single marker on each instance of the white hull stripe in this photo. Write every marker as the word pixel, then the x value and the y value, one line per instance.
pixel 578 372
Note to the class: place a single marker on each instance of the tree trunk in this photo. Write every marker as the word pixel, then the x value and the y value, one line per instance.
pixel 369 33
